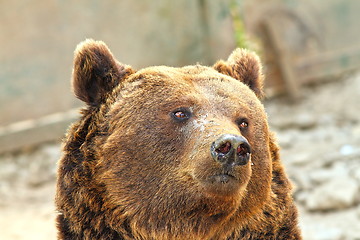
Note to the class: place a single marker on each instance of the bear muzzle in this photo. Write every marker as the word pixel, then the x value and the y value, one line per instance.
pixel 231 172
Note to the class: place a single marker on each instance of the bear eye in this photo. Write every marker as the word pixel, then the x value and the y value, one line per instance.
pixel 242 123
pixel 181 114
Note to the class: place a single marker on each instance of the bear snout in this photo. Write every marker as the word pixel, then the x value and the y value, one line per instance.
pixel 231 150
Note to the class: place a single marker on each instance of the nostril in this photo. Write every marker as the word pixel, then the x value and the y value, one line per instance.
pixel 243 149
pixel 224 148
pixel 243 152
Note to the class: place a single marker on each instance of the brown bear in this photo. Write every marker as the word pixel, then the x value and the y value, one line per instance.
pixel 171 153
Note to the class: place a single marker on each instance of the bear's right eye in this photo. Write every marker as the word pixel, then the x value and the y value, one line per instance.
pixel 181 114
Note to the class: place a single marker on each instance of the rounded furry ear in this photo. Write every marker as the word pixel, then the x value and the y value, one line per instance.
pixel 96 72
pixel 244 66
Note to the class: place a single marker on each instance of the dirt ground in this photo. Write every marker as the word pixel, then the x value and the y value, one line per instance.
pixel 320 140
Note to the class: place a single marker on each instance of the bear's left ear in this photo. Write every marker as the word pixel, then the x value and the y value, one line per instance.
pixel 244 66
pixel 96 72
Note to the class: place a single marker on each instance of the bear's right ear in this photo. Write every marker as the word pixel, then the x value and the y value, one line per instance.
pixel 244 66
pixel 96 72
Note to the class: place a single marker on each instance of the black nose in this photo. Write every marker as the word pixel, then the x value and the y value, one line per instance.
pixel 231 149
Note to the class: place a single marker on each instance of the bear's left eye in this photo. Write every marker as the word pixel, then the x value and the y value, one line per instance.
pixel 181 114
pixel 242 123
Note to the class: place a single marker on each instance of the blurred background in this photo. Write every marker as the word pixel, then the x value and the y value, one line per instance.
pixel 311 55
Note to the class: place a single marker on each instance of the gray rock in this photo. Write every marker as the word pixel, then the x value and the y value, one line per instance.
pixel 288 139
pixel 302 181
pixel 355 172
pixel 305 121
pixel 301 159
pixel 356 132
pixel 324 175
pixel 347 149
pixel 42 164
pixel 338 193
pixel 301 121
pixel 321 232
pixel 301 197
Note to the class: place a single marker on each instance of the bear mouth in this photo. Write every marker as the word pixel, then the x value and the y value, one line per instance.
pixel 222 184
pixel 225 175
pixel 222 178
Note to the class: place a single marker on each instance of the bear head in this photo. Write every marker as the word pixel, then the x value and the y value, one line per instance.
pixel 162 152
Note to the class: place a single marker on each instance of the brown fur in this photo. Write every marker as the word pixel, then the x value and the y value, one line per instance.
pixel 130 171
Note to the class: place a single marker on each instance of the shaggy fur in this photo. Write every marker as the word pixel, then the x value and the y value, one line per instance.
pixel 131 170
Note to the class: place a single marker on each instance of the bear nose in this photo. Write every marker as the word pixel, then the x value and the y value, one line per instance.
pixel 230 149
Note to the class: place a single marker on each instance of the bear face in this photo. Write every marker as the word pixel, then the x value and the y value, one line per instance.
pixel 150 151
pixel 168 153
